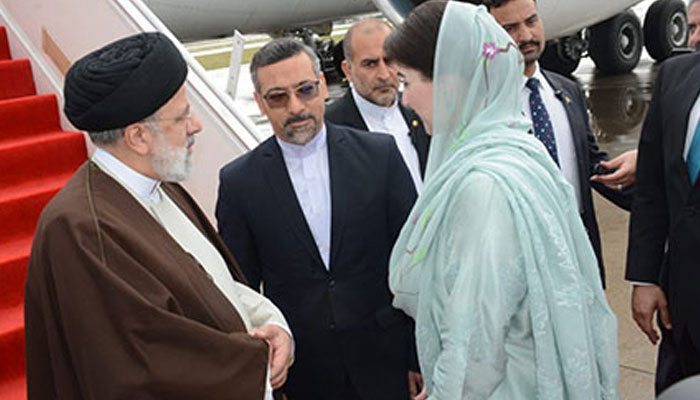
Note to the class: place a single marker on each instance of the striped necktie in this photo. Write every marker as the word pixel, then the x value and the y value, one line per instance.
pixel 693 158
pixel 540 119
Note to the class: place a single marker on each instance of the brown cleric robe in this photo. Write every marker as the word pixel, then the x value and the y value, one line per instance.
pixel 115 309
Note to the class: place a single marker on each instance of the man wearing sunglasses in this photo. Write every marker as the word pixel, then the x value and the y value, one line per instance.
pixel 372 101
pixel 311 215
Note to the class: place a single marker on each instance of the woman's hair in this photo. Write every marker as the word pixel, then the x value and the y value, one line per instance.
pixel 413 43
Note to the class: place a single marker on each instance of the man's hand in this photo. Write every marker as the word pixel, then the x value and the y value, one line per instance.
pixel 415 386
pixel 646 300
pixel 626 167
pixel 280 351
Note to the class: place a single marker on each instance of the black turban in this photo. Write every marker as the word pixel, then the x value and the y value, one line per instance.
pixel 123 82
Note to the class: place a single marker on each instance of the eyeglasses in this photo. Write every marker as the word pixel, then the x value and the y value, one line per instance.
pixel 305 91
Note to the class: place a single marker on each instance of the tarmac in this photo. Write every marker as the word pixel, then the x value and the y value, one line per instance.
pixel 618 105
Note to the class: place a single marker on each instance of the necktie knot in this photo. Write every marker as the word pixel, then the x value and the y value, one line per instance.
pixel 533 84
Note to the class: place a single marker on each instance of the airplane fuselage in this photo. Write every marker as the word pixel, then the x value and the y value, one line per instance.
pixel 199 19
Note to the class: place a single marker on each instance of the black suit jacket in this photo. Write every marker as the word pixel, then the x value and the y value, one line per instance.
pixel 588 155
pixel 344 111
pixel 666 206
pixel 342 318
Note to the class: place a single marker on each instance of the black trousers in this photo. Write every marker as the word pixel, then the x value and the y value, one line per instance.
pixel 349 392
pixel 678 359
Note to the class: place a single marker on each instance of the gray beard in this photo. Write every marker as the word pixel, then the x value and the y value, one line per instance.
pixel 171 163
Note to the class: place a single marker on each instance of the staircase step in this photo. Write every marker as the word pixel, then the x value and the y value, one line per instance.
pixel 12 345
pixel 4 45
pixel 27 116
pixel 14 257
pixel 11 320
pixel 38 157
pixel 17 80
pixel 20 210
pixel 13 389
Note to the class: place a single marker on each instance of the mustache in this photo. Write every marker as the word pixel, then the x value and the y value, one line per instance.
pixel 299 118
pixel 385 83
pixel 531 42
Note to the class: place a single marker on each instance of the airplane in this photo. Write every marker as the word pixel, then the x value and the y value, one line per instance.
pixel 607 30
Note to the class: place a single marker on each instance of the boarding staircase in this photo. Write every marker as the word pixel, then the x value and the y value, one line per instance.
pixel 36 159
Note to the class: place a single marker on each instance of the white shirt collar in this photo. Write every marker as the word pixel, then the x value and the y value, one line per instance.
pixel 301 151
pixel 544 83
pixel 369 109
pixel 144 187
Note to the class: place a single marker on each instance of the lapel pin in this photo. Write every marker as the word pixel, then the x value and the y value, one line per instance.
pixel 415 123
pixel 561 96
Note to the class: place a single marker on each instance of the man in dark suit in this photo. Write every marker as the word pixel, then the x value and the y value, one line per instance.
pixel 694 25
pixel 371 103
pixel 664 243
pixel 560 120
pixel 312 214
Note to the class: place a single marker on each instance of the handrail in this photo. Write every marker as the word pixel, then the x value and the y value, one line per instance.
pixel 241 125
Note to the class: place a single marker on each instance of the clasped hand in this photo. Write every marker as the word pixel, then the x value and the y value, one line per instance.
pixel 625 168
pixel 280 344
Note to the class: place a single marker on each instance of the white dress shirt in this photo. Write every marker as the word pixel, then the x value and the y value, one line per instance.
pixel 562 130
pixel 308 170
pixel 254 309
pixel 390 120
pixel 693 120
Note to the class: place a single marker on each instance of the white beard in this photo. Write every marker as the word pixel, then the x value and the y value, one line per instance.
pixel 171 163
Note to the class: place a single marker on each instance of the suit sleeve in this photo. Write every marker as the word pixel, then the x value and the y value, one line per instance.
pixel 402 192
pixel 125 334
pixel 649 218
pixel 402 196
pixel 235 230
pixel 622 199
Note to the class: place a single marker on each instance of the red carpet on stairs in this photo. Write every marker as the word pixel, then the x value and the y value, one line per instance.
pixel 36 159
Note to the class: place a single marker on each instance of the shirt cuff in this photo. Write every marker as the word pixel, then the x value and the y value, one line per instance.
pixel 636 283
pixel 268 386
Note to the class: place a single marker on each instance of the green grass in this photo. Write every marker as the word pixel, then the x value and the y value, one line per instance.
pixel 222 60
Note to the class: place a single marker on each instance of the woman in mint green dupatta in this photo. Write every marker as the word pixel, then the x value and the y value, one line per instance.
pixel 494 263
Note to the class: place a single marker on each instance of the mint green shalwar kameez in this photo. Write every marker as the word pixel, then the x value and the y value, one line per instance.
pixel 494 263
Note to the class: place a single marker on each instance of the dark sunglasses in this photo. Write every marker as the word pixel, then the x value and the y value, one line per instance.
pixel 278 98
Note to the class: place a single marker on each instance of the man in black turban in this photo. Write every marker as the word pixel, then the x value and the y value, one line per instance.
pixel 130 292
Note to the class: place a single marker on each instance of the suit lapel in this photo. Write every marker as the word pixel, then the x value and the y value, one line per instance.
pixel 353 118
pixel 277 177
pixel 419 139
pixel 686 94
pixel 580 144
pixel 339 173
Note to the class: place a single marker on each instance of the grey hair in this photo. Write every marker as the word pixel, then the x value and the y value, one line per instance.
pixel 347 40
pixel 111 136
pixel 278 50
pixel 106 137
